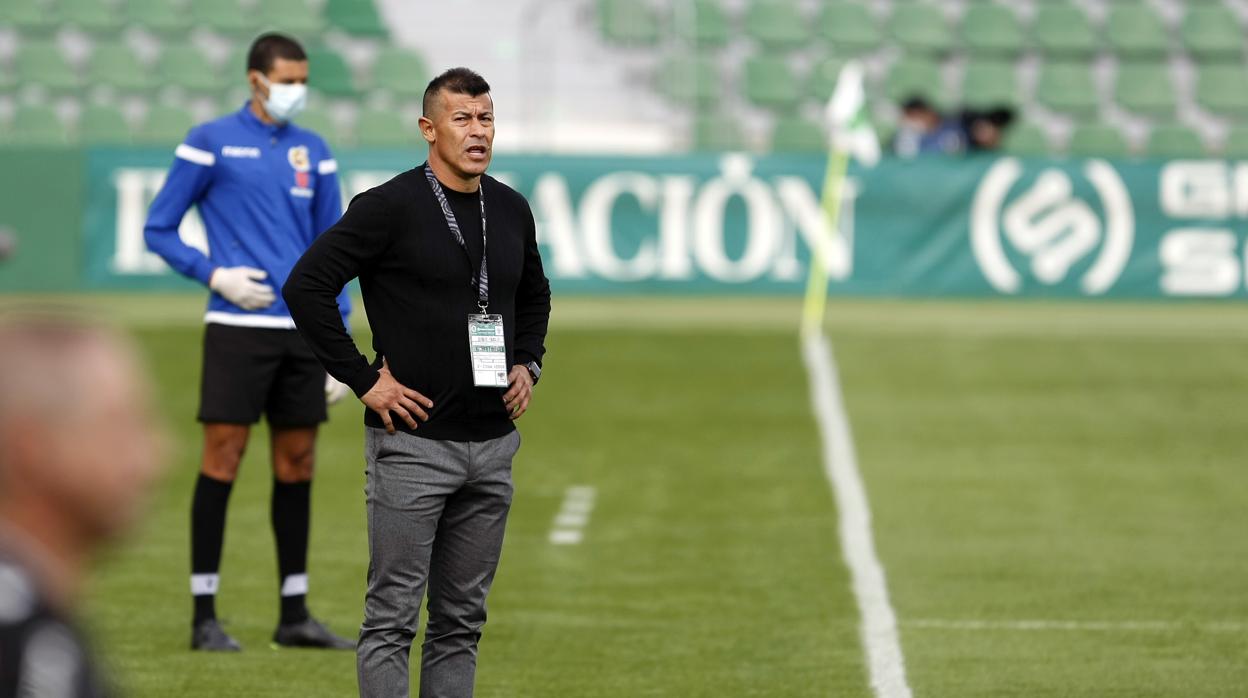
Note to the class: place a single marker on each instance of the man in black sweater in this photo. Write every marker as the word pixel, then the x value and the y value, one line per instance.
pixel 459 305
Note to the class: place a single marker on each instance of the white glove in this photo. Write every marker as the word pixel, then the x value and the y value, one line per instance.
pixel 334 390
pixel 241 286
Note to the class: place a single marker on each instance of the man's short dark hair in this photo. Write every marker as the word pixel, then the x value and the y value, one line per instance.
pixel 267 48
pixel 460 81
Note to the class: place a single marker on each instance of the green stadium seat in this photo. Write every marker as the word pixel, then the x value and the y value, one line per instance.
pixel 991 30
pixel 690 79
pixel 797 135
pixel 356 17
pixel 1212 32
pixel 1236 143
pixel 115 65
pixel 31 17
pixel 102 125
pixel 1145 88
pixel 94 16
pixel 401 72
pixel 322 122
pixel 912 77
pixel 183 65
pixel 921 28
pixel 988 83
pixel 164 125
pixel 822 79
pixel 777 24
pixel 37 125
pixel 717 132
pixel 1222 89
pixel 849 27
pixel 1134 29
pixel 42 63
pixel 1097 140
pixel 1063 30
pixel 295 17
pixel 159 16
pixel 1173 141
pixel 628 22
pixel 228 17
pixel 329 73
pixel 1026 140
pixel 770 82
pixel 702 22
pixel 1067 87
pixel 378 128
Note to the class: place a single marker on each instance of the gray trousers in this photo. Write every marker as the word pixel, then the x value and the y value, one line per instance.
pixel 436 514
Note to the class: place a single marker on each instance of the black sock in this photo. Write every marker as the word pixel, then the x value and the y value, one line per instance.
pixel 290 512
pixel 207 534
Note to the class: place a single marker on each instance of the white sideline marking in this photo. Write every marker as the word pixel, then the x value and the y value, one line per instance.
pixel 885 664
pixel 578 502
pixel 1078 625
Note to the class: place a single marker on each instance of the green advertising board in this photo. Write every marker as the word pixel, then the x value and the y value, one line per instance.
pixel 984 226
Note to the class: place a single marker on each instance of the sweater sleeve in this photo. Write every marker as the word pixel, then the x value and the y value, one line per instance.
pixel 532 299
pixel 311 291
pixel 188 179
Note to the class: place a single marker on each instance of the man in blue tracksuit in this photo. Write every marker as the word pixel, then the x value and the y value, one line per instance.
pixel 265 189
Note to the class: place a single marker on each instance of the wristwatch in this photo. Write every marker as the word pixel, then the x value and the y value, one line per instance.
pixel 535 371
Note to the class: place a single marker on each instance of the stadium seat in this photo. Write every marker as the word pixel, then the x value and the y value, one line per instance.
pixel 1173 141
pixel 1222 89
pixel 322 122
pixel 910 77
pixel 701 22
pixel 822 79
pixel 1236 143
pixel 1134 29
pixel 797 135
pixel 689 79
pixel 1067 87
pixel 990 83
pixel 1062 30
pixel 37 125
pixel 1145 88
pixel 94 16
pixel 102 125
pixel 228 17
pixel 770 82
pixel 164 125
pixel 42 63
pixel 921 28
pixel 849 27
pixel 716 132
pixel 183 65
pixel 329 73
pixel 1026 140
pixel 295 17
pixel 159 16
pixel 378 128
pixel 991 30
pixel 115 65
pixel 31 17
pixel 1097 140
pixel 777 24
pixel 628 22
pixel 1211 31
pixel 356 17
pixel 401 72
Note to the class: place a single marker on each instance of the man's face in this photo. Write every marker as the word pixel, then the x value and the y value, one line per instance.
pixel 283 72
pixel 461 132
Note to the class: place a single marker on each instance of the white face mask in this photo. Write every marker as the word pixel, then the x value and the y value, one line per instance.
pixel 285 102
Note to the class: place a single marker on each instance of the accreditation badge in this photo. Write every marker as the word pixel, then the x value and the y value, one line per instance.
pixel 489 352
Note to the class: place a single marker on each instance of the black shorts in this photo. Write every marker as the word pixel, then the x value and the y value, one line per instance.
pixel 249 371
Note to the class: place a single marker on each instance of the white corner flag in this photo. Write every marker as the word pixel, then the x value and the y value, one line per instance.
pixel 850 135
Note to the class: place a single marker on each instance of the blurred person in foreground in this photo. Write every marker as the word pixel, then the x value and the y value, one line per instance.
pixel 264 188
pixel 79 453
pixel 925 131
pixel 439 487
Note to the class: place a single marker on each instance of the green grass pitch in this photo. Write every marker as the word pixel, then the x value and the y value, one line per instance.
pixel 1059 492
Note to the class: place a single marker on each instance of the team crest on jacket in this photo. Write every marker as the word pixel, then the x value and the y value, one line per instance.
pixel 298 157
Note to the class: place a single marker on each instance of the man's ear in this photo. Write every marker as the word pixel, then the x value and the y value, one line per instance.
pixel 426 129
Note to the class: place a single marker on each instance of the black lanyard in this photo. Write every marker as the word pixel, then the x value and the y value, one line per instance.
pixel 482 279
